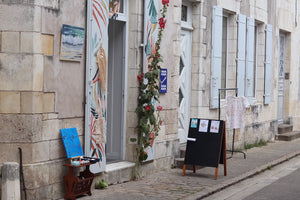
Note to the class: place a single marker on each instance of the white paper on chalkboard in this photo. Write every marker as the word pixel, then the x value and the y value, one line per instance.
pixel 194 123
pixel 214 126
pixel 203 127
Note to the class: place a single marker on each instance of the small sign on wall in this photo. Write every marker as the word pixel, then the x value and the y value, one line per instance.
pixel 72 41
pixel 163 80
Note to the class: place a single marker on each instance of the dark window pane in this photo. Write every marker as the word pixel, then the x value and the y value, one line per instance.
pixel 183 13
pixel 181 66
pixel 180 96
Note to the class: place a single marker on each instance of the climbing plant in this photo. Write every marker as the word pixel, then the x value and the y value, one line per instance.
pixel 149 121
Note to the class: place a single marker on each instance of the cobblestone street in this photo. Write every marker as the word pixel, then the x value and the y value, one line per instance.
pixel 171 185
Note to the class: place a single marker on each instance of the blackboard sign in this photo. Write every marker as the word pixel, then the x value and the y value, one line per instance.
pixel 206 144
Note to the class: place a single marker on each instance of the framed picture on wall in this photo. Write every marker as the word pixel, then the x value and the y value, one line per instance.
pixel 72 41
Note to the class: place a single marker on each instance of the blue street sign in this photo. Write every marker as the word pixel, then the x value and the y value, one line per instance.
pixel 163 80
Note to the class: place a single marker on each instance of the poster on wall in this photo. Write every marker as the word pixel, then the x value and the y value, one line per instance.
pixel 96 82
pixel 150 37
pixel 72 41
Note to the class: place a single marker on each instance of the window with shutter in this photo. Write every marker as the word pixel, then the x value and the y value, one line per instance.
pixel 151 12
pixel 224 55
pixel 96 82
pixel 249 84
pixel 216 60
pixel 241 55
pixel 268 64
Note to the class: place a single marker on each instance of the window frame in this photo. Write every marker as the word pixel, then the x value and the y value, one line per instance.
pixel 256 28
pixel 122 16
pixel 187 24
pixel 225 16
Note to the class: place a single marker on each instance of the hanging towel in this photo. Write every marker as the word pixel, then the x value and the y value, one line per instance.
pixel 235 108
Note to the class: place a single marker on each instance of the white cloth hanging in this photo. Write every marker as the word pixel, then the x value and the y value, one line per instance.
pixel 235 108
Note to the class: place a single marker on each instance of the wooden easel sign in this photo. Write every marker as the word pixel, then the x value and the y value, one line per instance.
pixel 206 144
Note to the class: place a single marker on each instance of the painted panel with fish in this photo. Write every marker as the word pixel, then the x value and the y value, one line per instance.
pixel 96 82
pixel 150 38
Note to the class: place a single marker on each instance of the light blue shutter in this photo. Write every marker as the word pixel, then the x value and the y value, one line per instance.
pixel 250 60
pixel 96 82
pixel 241 55
pixel 268 64
pixel 216 60
pixel 151 11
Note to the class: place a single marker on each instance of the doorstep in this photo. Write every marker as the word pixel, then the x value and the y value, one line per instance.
pixel 118 172
pixel 118 166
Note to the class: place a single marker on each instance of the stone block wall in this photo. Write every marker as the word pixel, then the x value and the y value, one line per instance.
pixel 259 116
pixel 41 94
pixel 170 50
pixel 34 88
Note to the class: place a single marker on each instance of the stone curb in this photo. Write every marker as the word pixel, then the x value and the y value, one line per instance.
pixel 235 180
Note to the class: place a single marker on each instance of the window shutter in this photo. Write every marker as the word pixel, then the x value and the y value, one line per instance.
pixel 250 60
pixel 96 82
pixel 151 11
pixel 268 64
pixel 150 30
pixel 216 60
pixel 241 55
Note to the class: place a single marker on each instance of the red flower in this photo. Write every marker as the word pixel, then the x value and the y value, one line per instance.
pixel 162 23
pixel 139 78
pixel 165 2
pixel 147 107
pixel 159 108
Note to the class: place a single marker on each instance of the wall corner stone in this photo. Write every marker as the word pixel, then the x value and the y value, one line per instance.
pixel 10 42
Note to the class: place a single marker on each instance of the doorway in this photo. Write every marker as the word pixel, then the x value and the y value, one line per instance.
pixel 115 91
pixel 185 71
pixel 184 85
pixel 281 77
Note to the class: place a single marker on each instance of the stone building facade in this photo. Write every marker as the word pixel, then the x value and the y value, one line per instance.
pixel 272 83
pixel 41 94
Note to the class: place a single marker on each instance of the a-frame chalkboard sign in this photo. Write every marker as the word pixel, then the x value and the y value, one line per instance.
pixel 206 144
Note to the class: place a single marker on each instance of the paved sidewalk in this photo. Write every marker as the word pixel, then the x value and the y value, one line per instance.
pixel 170 184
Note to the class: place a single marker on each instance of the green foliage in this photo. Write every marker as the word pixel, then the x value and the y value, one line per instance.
pixel 133 139
pixel 269 167
pixel 101 184
pixel 258 144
